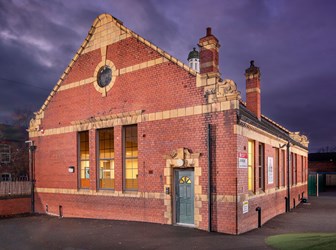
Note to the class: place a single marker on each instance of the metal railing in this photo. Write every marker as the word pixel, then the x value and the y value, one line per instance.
pixel 15 188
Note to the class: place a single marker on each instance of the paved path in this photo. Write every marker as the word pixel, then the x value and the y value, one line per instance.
pixel 44 232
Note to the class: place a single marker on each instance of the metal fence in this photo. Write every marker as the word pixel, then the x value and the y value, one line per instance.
pixel 15 188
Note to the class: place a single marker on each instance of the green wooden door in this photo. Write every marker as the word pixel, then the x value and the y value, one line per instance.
pixel 312 184
pixel 184 194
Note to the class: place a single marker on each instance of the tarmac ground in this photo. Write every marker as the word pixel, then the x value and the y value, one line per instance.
pixel 46 232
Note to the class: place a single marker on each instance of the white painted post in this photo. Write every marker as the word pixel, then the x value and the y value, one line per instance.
pixel 317 185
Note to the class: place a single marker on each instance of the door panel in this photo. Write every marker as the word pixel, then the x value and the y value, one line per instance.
pixel 184 196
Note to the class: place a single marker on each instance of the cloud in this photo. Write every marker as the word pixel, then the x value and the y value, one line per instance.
pixel 293 43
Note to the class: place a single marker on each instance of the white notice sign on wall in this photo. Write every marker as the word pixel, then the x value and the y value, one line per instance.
pixel 242 160
pixel 245 207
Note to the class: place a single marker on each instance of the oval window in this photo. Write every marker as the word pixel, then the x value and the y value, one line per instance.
pixel 104 76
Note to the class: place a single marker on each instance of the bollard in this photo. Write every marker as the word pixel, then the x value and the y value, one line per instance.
pixel 293 203
pixel 47 208
pixel 60 212
pixel 258 209
pixel 286 204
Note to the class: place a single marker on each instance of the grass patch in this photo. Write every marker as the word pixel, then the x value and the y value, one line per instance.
pixel 318 241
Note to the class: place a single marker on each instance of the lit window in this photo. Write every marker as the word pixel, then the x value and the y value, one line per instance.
pixel 295 169
pixel 250 174
pixel 131 157
pixel 302 169
pixel 276 167
pixel 84 159
pixel 283 161
pixel 5 153
pixel 261 166
pixel 106 158
pixel 185 179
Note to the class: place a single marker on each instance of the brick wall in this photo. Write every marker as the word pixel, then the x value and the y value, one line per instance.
pixel 316 166
pixel 271 200
pixel 15 205
pixel 161 87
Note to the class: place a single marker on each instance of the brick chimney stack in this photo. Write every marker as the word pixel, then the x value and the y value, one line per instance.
pixel 209 47
pixel 252 75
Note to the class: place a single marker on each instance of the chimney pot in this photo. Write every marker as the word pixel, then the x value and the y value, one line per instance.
pixel 209 48
pixel 208 31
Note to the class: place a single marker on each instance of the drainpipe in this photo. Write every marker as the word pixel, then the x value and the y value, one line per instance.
pixel 32 149
pixel 209 178
pixel 236 205
pixel 288 177
pixel 317 184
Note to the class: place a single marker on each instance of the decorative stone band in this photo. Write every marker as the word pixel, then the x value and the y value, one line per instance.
pixel 253 90
pixel 112 193
pixel 132 118
pixel 210 44
pixel 209 64
pixel 252 76
pixel 146 195
pixel 160 196
pixel 118 72
pixel 258 194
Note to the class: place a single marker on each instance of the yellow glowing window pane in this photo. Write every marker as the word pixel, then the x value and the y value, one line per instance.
pixel 131 184
pixel 84 155
pixel 135 174
pixel 106 158
pixel 129 173
pixel 250 160
pixel 131 154
pixel 185 179
pixel 107 169
pixel 85 173
pixel 250 179
pixel 129 164
pixel 132 163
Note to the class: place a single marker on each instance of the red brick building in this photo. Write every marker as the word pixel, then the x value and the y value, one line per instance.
pixel 321 173
pixel 13 153
pixel 131 133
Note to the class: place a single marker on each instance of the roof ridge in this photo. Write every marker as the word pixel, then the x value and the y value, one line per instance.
pixel 266 118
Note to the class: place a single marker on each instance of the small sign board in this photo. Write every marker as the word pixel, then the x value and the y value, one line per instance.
pixel 245 207
pixel 242 160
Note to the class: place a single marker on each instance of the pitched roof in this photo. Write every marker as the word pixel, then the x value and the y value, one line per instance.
pixel 266 124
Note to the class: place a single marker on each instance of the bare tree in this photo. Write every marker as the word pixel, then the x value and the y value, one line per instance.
pixel 327 149
pixel 22 117
pixel 15 135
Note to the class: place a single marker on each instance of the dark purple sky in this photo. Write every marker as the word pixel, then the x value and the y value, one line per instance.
pixel 292 41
